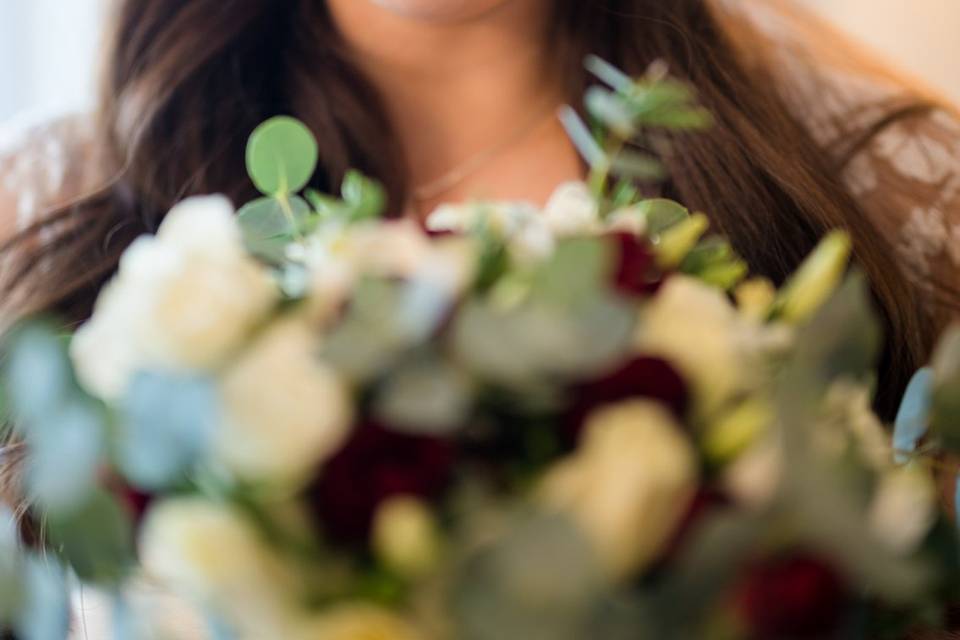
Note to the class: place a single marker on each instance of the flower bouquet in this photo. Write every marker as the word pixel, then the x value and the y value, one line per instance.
pixel 580 421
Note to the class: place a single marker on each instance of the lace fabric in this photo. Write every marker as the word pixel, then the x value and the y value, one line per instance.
pixel 41 164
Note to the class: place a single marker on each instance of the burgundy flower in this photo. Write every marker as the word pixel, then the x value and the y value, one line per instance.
pixel 635 271
pixel 643 377
pixel 796 596
pixel 375 464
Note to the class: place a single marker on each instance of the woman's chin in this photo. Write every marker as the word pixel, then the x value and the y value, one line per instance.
pixel 440 10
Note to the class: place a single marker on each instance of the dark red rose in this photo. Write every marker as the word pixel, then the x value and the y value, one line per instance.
pixel 375 464
pixel 635 271
pixel 641 377
pixel 791 597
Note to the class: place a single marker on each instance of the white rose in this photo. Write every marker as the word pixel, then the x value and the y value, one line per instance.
pixel 212 555
pixel 695 327
pixel 628 485
pixel 285 411
pixel 521 225
pixel 181 300
pixel 337 257
pixel 572 210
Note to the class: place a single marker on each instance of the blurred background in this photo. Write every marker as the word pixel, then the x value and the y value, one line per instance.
pixel 49 48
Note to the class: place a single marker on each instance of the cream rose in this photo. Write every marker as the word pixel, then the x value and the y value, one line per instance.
pixel 696 328
pixel 182 300
pixel 210 554
pixel 284 410
pixel 628 485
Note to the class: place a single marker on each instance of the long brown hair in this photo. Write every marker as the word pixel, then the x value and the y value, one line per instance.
pixel 186 81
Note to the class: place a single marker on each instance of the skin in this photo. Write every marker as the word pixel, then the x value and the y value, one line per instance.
pixel 460 77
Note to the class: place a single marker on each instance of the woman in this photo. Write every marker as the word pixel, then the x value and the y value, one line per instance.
pixel 450 99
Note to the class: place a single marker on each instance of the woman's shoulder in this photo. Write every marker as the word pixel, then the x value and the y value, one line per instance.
pixel 44 162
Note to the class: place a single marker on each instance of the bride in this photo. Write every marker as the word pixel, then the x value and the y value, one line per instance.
pixel 455 99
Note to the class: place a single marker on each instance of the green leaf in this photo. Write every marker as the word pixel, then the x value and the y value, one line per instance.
pixel 638 166
pixel 425 395
pixel 945 410
pixel 609 110
pixel 841 341
pixel 675 243
pixel 168 423
pixel 282 155
pixel 661 214
pixel 816 279
pixel 270 224
pixel 575 271
pixel 541 580
pixel 365 198
pixel 96 539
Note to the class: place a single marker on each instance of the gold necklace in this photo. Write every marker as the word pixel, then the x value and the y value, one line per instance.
pixel 456 175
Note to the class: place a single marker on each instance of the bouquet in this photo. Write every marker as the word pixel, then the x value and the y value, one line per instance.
pixel 580 421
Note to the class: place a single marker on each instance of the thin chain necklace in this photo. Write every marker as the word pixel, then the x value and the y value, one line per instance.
pixel 456 175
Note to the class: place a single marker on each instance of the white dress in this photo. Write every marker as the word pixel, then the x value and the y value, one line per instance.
pixel 907 177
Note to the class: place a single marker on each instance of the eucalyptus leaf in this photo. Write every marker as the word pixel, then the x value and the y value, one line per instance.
pixel 45 614
pixel 96 539
pixel 913 416
pixel 167 426
pixel 582 139
pixel 608 73
pixel 526 345
pixel 282 156
pixel 37 373
pixel 270 224
pixel 638 166
pixel 661 214
pixel 575 271
pixel 425 395
pixel 365 198
pixel 541 581
pixel 65 455
pixel 608 109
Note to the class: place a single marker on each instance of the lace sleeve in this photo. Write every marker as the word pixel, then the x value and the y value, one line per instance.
pixel 908 178
pixel 899 153
pixel 40 167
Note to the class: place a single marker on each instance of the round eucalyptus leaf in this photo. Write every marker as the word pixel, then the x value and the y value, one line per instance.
pixel 270 224
pixel 66 450
pixel 281 156
pixel 45 614
pixel 96 539
pixel 168 422
pixel 37 372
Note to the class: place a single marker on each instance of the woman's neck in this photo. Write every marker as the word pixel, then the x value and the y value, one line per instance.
pixel 454 88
